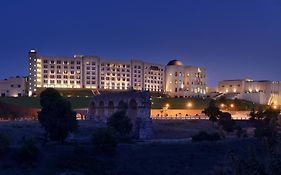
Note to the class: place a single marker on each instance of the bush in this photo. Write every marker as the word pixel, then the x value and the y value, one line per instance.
pixel 227 123
pixel 204 136
pixel 120 123
pixel 104 140
pixel 28 153
pixel 4 143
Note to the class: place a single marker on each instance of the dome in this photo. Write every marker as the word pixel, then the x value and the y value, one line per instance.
pixel 175 63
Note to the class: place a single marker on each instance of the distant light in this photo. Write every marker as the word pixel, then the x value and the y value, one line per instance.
pixel 222 105
pixel 32 50
pixel 189 104
pixel 232 105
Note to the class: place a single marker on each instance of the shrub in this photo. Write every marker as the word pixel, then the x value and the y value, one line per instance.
pixel 120 123
pixel 4 143
pixel 104 140
pixel 227 123
pixel 204 136
pixel 28 153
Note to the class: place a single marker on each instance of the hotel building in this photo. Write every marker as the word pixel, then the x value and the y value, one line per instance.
pixel 92 72
pixel 13 86
pixel 262 92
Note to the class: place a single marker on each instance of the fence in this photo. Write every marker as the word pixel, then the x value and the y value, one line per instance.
pixel 192 118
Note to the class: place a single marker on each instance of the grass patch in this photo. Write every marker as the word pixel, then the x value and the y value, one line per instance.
pixel 34 102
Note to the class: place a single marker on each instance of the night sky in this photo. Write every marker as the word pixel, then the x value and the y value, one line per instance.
pixel 232 38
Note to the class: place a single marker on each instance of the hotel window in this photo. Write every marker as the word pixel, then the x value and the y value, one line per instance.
pixel 45 66
pixel 72 62
pixel 52 62
pixel 65 81
pixel 58 67
pixel 45 61
pixel 78 67
pixel 93 63
pixel 65 62
pixel 78 62
pixel 58 62
pixel 65 76
pixel 59 81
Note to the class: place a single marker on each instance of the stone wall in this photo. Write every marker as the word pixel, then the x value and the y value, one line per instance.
pixel 138 109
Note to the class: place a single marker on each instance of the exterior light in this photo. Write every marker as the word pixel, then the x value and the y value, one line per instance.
pixel 222 105
pixel 274 107
pixel 232 105
pixel 189 104
pixel 167 105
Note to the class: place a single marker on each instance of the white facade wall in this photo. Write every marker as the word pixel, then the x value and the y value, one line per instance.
pixel 262 92
pixel 93 72
pixel 184 81
pixel 14 86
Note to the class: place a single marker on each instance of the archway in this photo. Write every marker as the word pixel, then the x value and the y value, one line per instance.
pixel 133 112
pixel 110 108
pixel 92 109
pixel 101 110
pixel 122 105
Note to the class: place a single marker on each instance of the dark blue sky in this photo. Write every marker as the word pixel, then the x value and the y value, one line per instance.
pixel 232 38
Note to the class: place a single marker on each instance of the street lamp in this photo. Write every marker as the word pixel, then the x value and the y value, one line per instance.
pixel 189 104
pixel 222 105
pixel 232 105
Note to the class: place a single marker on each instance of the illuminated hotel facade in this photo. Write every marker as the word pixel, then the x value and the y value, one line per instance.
pixel 262 91
pixel 92 72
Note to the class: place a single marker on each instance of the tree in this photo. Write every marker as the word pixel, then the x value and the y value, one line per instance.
pixel 120 123
pixel 267 126
pixel 56 116
pixel 226 122
pixel 212 111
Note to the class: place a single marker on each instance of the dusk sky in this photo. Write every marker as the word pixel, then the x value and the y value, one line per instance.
pixel 233 39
